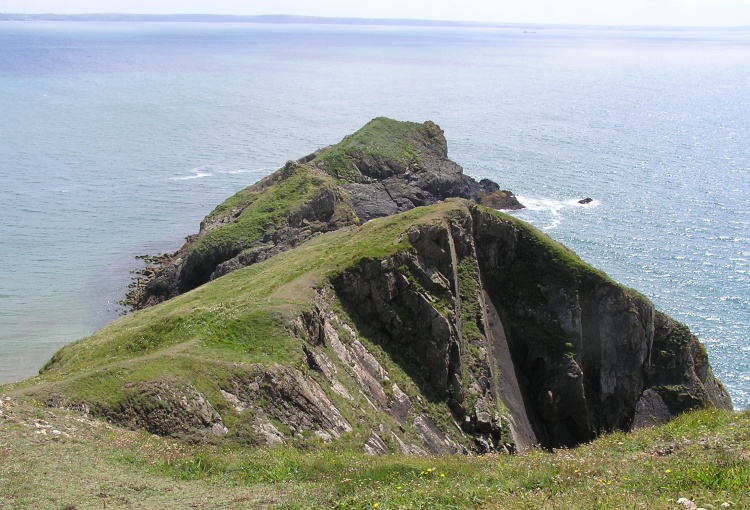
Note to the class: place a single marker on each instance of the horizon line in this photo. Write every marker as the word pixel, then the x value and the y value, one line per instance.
pixel 333 20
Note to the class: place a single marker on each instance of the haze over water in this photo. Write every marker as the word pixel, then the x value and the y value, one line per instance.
pixel 117 138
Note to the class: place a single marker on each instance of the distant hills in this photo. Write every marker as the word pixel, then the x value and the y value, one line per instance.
pixel 314 20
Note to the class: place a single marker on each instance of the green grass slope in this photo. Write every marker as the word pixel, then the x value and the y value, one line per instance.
pixel 208 336
pixel 217 332
pixel 52 459
pixel 255 215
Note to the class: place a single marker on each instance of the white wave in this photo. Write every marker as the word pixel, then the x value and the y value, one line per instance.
pixel 237 171
pixel 197 174
pixel 553 207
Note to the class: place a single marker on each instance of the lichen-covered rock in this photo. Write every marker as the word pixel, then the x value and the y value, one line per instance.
pixel 167 407
pixel 433 438
pixel 650 410
pixel 300 403
pixel 376 446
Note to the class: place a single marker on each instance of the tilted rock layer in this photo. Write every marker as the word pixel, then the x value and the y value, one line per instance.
pixel 486 310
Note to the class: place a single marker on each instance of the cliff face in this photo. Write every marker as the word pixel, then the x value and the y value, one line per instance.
pixel 491 315
pixel 444 329
pixel 385 168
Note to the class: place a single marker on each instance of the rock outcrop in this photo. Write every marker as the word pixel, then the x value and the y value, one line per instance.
pixel 385 168
pixel 168 407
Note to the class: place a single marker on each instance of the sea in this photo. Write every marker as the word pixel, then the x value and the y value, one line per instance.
pixel 116 139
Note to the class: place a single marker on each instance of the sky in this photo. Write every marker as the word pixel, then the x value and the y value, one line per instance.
pixel 592 12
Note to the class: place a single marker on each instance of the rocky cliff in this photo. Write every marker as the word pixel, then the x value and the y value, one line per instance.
pixel 446 328
pixel 385 168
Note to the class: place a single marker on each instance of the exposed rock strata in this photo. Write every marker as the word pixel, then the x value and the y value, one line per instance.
pixel 167 407
pixel 525 347
pixel 483 315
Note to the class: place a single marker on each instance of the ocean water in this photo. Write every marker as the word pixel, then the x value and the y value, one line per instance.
pixel 117 138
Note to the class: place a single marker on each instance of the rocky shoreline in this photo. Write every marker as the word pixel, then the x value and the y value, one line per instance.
pixel 143 276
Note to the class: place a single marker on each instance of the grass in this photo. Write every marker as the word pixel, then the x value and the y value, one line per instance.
pixel 388 140
pixel 253 216
pixel 702 456
pixel 244 318
pixel 245 312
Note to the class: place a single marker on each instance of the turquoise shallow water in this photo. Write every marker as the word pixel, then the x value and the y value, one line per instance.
pixel 117 138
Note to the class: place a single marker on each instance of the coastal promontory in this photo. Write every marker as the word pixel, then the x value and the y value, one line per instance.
pixel 365 294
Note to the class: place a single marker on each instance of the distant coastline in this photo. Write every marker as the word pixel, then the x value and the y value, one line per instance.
pixel 315 20
pixel 271 18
